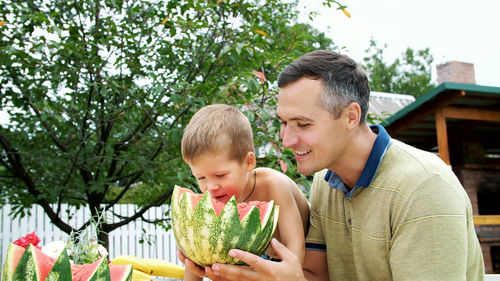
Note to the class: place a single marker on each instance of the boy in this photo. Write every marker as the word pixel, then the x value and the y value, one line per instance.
pixel 218 147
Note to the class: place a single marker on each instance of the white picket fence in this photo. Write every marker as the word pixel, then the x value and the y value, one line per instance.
pixel 124 240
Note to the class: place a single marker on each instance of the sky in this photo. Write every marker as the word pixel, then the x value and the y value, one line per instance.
pixel 461 30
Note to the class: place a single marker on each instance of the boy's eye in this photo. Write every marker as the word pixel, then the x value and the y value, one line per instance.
pixel 200 178
pixel 220 176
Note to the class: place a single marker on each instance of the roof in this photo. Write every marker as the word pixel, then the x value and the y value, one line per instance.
pixel 472 113
pixel 385 104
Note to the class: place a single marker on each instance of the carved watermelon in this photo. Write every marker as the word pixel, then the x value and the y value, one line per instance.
pixel 33 264
pixel 205 230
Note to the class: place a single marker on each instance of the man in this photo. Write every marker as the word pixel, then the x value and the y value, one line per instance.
pixel 380 209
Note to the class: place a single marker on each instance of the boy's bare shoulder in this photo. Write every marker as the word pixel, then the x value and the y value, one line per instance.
pixel 279 187
pixel 274 179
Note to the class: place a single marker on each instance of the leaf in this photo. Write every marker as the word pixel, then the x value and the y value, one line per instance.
pixel 248 46
pixel 283 166
pixel 346 13
pixel 261 32
pixel 261 76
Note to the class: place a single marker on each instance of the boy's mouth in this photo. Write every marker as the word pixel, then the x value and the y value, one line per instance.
pixel 221 198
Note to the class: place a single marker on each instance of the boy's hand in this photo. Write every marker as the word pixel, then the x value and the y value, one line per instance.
pixel 191 265
pixel 194 268
pixel 259 269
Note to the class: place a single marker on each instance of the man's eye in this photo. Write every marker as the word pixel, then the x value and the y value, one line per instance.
pixel 200 178
pixel 301 125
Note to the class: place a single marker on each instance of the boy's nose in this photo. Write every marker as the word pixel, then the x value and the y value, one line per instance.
pixel 212 186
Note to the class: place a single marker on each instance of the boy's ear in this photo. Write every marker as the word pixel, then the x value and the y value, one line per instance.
pixel 251 161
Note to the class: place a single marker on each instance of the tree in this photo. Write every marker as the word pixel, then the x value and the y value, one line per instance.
pixel 410 74
pixel 98 93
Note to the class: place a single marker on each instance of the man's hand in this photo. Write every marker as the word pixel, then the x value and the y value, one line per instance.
pixel 259 269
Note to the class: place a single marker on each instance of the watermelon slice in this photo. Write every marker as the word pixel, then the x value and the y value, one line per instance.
pixel 14 253
pixel 97 270
pixel 205 230
pixel 121 272
pixel 61 271
pixel 33 264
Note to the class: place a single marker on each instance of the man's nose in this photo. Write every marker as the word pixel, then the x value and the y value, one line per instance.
pixel 288 137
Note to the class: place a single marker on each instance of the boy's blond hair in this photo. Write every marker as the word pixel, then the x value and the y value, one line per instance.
pixel 216 128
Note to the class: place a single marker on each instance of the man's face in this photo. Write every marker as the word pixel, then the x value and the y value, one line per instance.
pixel 316 138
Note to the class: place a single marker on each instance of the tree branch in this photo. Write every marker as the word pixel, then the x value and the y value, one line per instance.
pixel 160 200
pixel 21 173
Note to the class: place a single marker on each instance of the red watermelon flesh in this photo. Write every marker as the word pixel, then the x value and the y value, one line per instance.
pixel 243 208
pixel 195 198
pixel 44 262
pixel 78 270
pixel 120 272
pixel 117 272
pixel 18 251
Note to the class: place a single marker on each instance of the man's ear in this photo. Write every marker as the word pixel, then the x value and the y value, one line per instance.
pixel 352 115
pixel 251 161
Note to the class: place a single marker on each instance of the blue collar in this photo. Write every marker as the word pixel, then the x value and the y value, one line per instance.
pixel 382 143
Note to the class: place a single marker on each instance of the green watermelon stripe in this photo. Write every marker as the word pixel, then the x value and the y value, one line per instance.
pixel 26 269
pixel 61 271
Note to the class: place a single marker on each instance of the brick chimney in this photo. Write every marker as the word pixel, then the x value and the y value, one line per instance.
pixel 456 71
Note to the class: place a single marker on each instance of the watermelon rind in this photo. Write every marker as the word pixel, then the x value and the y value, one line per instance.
pixel 8 266
pixel 100 273
pixel 26 269
pixel 206 239
pixel 61 271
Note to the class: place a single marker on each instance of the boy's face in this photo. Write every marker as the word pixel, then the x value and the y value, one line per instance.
pixel 221 176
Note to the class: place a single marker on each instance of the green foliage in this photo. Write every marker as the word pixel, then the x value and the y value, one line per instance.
pixel 374 118
pixel 82 246
pixel 98 93
pixel 410 74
